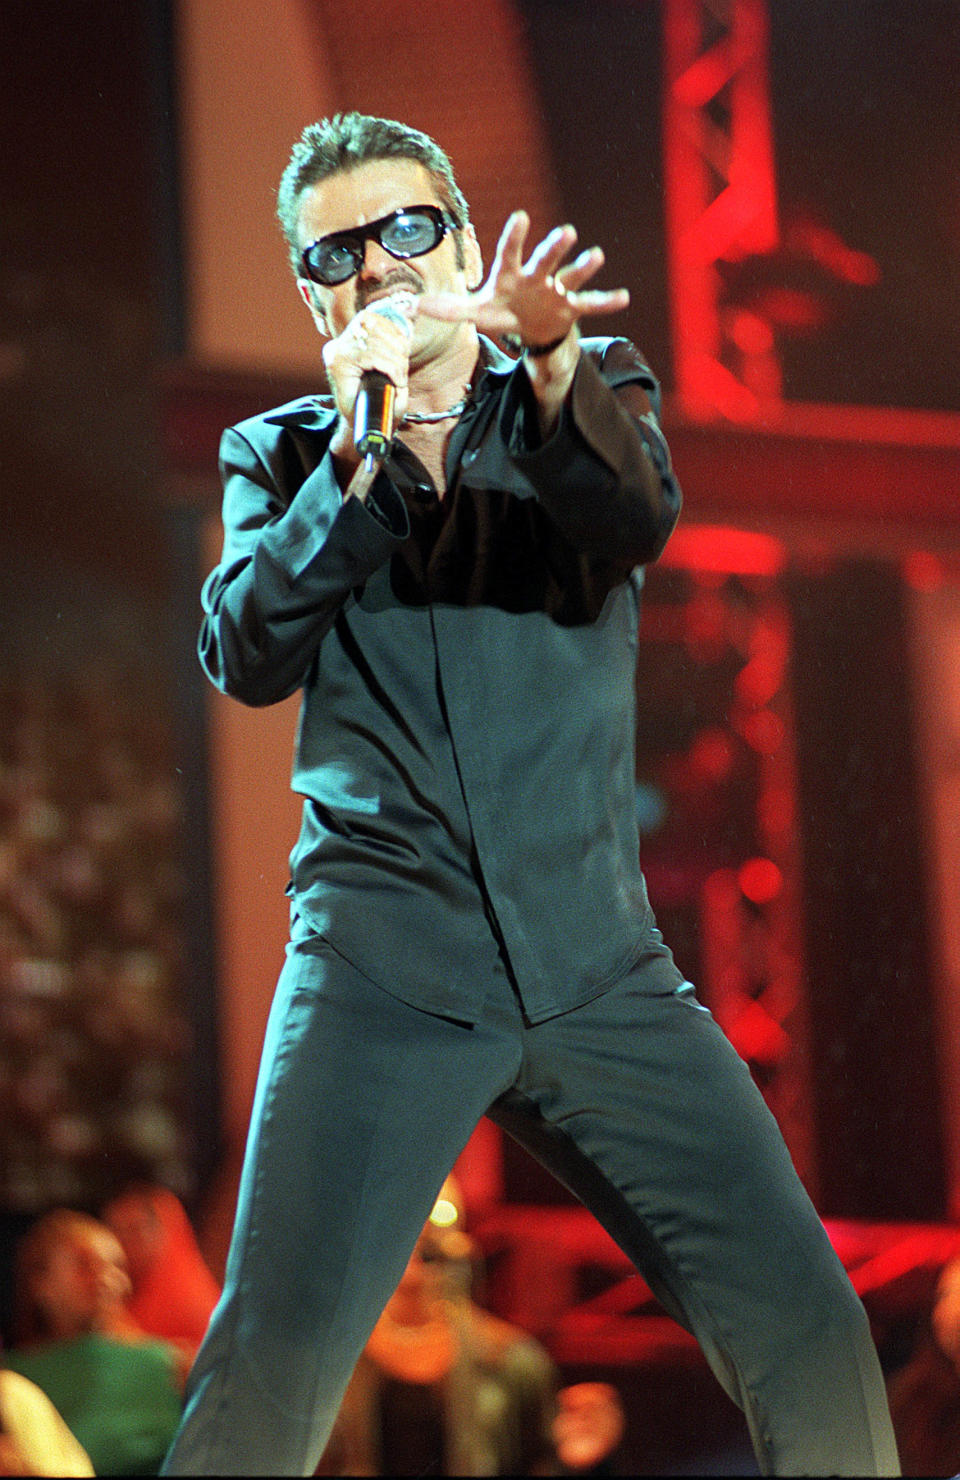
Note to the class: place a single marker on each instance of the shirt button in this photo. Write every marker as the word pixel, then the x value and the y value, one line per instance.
pixel 469 456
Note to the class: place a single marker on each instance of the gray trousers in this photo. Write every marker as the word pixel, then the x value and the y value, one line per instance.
pixel 636 1101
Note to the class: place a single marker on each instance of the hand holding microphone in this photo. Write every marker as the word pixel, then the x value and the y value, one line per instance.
pixel 374 413
pixel 367 367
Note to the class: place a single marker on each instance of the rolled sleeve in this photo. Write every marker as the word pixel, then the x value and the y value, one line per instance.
pixel 286 570
pixel 604 474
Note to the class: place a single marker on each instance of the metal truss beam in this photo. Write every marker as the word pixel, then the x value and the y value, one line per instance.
pixel 720 200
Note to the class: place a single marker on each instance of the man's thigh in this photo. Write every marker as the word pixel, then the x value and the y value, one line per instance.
pixel 362 1105
pixel 639 1103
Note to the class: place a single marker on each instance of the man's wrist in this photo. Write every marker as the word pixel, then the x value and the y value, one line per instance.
pixel 551 369
pixel 346 458
pixel 551 376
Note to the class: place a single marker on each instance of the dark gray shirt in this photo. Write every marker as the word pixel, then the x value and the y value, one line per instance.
pixel 466 740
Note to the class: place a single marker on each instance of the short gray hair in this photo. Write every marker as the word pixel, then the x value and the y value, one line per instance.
pixel 347 140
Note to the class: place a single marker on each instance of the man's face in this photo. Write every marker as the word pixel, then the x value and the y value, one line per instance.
pixel 365 194
pixel 84 1281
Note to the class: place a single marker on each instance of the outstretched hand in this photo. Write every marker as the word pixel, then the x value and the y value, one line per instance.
pixel 539 301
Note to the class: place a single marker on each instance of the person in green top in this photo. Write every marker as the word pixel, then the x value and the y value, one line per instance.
pixel 118 1391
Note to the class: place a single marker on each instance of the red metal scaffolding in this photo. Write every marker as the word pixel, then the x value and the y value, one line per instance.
pixel 720 201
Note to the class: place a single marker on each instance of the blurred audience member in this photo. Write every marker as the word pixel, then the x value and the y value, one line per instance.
pixel 117 1389
pixel 34 1440
pixel 173 1291
pixel 925 1392
pixel 588 1427
pixel 445 1387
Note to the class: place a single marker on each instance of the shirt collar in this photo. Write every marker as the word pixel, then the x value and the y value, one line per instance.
pixel 493 359
pixel 318 412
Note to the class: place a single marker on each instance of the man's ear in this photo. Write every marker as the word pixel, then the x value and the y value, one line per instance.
pixel 472 258
pixel 308 292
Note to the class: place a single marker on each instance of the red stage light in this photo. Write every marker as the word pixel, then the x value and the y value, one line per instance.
pixel 923 571
pixel 760 880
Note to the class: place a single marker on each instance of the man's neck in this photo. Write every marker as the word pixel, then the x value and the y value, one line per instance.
pixel 437 384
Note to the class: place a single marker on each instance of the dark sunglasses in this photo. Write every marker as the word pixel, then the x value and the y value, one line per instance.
pixel 409 232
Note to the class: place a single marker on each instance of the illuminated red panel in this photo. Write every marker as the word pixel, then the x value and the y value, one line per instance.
pixel 726 551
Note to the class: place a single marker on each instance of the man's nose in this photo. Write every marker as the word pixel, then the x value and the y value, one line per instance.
pixel 377 261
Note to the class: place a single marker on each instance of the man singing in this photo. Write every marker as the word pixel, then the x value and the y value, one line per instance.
pixel 470 929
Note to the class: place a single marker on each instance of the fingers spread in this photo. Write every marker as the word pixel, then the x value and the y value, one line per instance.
pixel 546 258
pixel 538 300
pixel 509 254
pixel 488 311
pixel 580 271
pixel 593 302
pixel 452 308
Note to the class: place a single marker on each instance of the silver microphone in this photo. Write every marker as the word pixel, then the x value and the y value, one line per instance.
pixel 373 416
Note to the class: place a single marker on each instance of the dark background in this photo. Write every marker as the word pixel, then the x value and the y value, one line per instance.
pixel 867 135
pixel 866 114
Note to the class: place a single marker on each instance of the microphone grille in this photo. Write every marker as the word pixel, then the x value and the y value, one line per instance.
pixel 398 309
